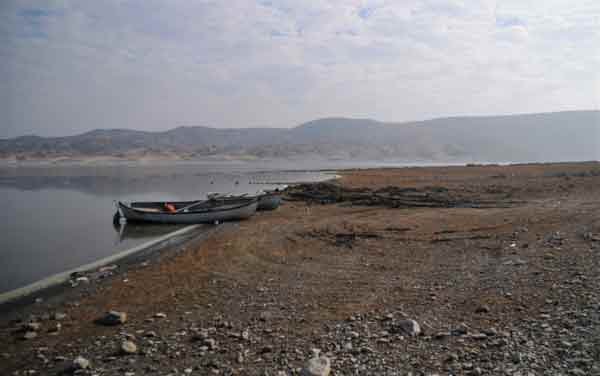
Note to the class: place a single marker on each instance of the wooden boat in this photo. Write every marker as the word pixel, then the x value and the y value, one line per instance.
pixel 190 212
pixel 269 201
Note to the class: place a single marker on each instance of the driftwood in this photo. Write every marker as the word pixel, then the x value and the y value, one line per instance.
pixel 455 238
pixel 341 239
pixel 393 197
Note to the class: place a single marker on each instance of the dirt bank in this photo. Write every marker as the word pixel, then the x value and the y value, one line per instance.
pixel 512 287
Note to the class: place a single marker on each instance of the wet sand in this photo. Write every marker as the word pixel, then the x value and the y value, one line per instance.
pixel 510 287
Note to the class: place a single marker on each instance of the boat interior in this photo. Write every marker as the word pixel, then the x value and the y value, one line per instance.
pixel 184 206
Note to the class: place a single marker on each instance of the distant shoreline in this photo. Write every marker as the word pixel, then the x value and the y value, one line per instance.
pixel 116 160
pixel 286 163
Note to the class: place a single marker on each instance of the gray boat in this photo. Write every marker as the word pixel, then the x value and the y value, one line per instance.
pixel 269 201
pixel 189 212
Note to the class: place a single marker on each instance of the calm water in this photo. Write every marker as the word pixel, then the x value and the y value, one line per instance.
pixel 58 218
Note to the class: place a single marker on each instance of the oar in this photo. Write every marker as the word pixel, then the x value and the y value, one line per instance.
pixel 190 206
pixel 196 204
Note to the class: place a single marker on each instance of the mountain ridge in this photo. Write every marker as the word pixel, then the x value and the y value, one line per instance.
pixel 569 135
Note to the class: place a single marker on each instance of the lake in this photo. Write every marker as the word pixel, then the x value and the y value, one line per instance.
pixel 57 218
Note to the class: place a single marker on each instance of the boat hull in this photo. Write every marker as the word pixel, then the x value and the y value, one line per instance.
pixel 217 214
pixel 269 202
pixel 266 201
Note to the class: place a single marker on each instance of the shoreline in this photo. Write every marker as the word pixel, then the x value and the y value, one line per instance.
pixel 332 164
pixel 63 277
pixel 508 283
pixel 58 288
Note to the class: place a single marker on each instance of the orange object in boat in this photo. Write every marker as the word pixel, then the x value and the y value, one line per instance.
pixel 170 208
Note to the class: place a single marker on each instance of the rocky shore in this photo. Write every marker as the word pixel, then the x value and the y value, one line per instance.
pixel 499 277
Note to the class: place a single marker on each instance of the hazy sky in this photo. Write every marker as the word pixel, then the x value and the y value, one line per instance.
pixel 71 66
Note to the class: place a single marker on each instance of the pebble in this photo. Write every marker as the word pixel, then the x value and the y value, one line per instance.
pixel 265 315
pixel 30 335
pixel 461 330
pixel 55 329
pixel 246 334
pixel 113 318
pixel 81 363
pixel 566 344
pixel 82 280
pixel 478 336
pixel 577 372
pixel 58 316
pixel 317 366
pixel 128 347
pixel 210 343
pixel 452 357
pixel 517 357
pixel 32 326
pixel 409 327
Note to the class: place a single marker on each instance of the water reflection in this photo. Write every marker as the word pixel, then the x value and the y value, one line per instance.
pixel 142 231
pixel 180 184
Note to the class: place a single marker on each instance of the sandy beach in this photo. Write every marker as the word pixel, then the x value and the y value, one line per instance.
pixel 500 276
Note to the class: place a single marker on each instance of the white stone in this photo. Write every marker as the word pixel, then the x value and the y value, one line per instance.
pixel 81 363
pixel 317 366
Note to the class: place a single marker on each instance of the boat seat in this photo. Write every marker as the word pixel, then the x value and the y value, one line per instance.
pixel 149 210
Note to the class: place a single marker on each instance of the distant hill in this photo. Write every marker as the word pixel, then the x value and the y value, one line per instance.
pixel 537 137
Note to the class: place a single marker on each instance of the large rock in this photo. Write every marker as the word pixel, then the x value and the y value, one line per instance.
pixel 113 318
pixel 30 335
pixel 409 327
pixel 81 363
pixel 317 366
pixel 128 347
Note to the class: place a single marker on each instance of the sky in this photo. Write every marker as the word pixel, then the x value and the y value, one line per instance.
pixel 67 67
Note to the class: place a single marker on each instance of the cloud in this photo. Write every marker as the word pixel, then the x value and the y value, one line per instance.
pixel 508 21
pixel 71 66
